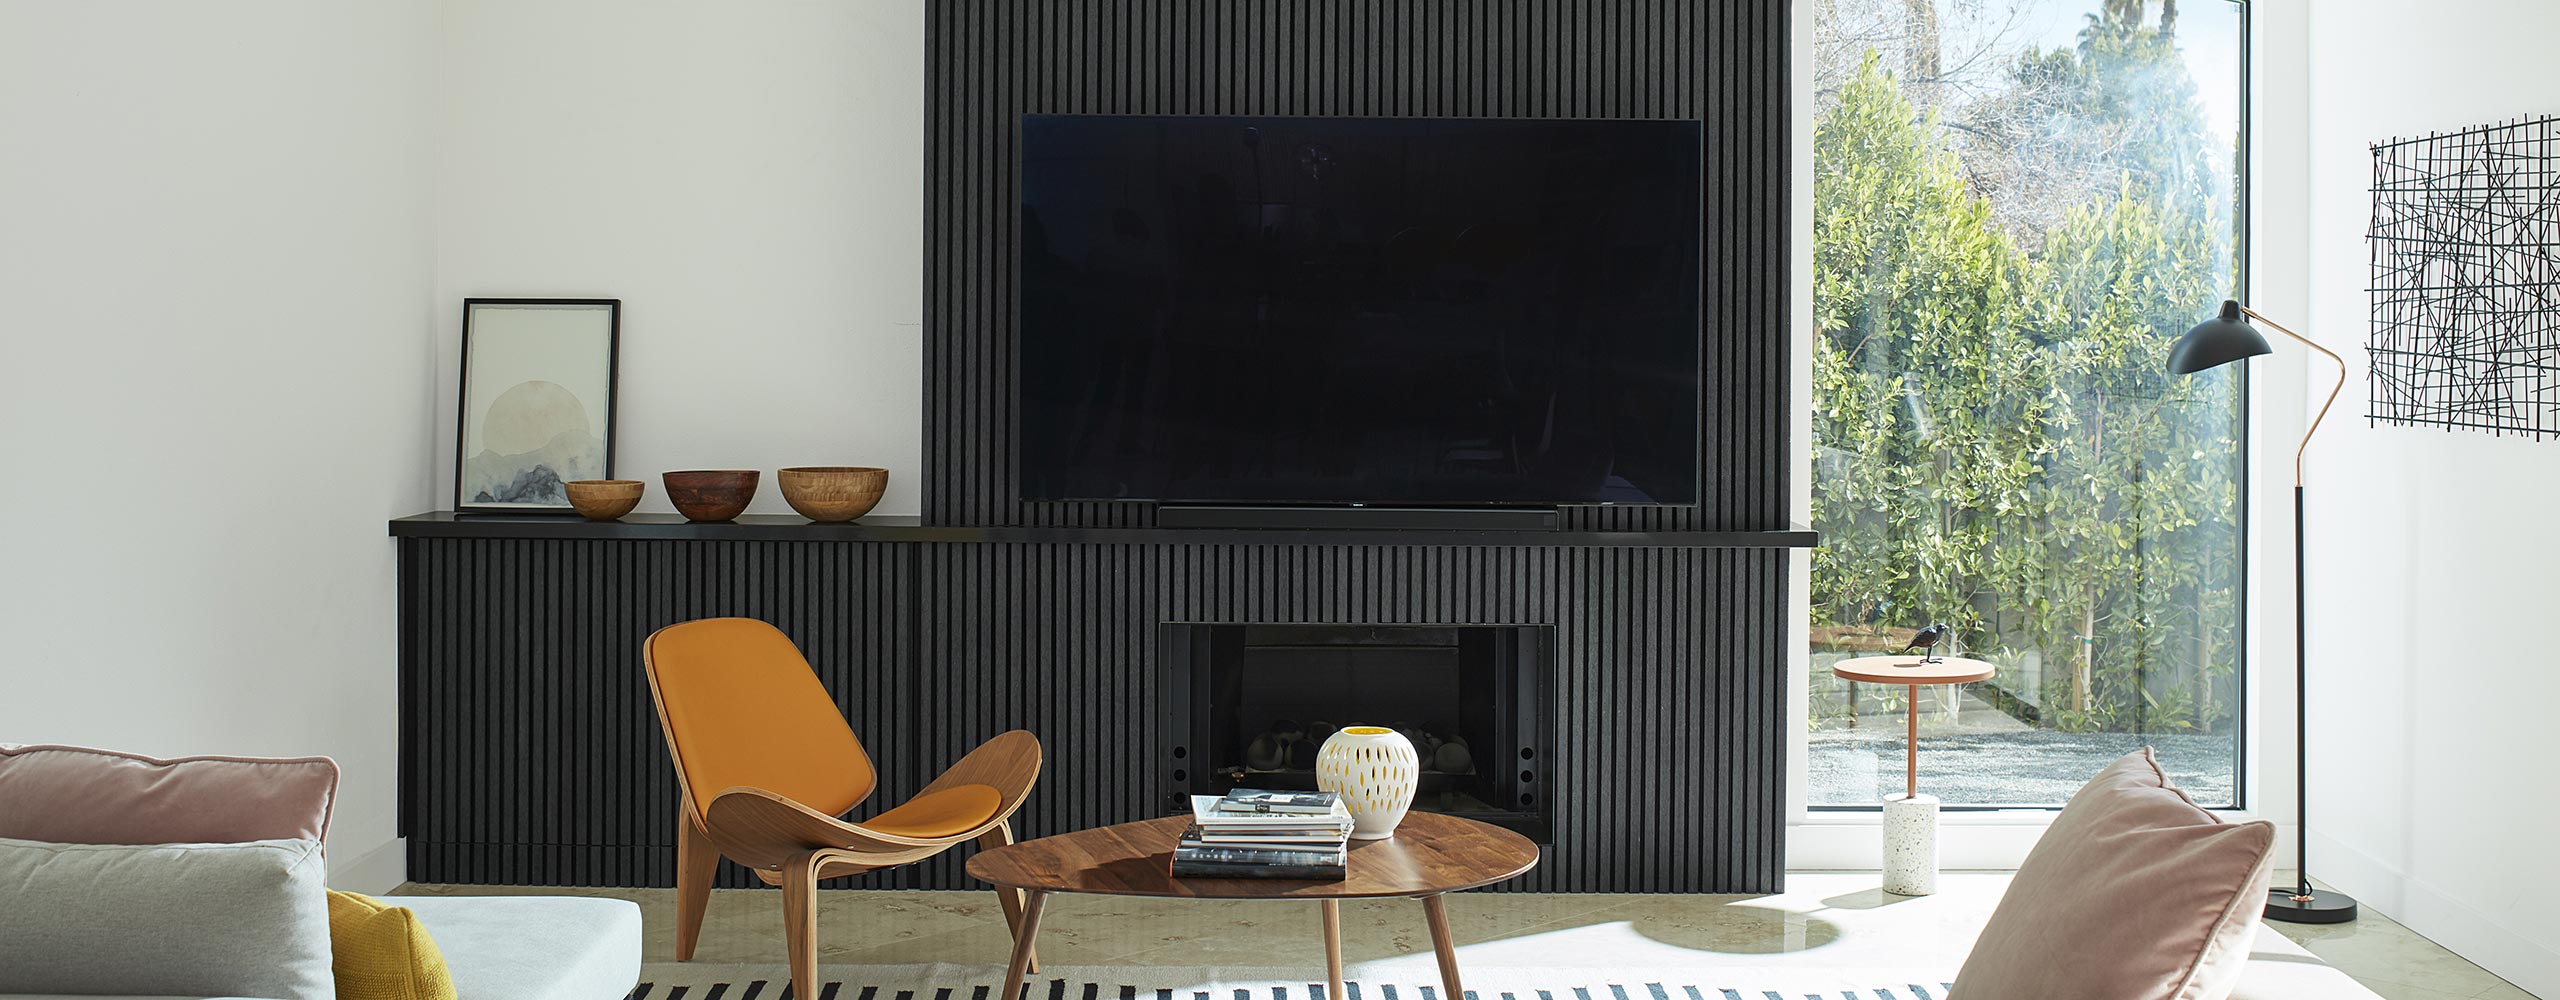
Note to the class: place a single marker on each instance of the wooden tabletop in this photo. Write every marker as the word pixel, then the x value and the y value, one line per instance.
pixel 1909 670
pixel 1429 854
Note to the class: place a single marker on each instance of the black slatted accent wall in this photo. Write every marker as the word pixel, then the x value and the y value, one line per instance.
pixel 534 757
pixel 1669 722
pixel 530 753
pixel 989 62
pixel 529 750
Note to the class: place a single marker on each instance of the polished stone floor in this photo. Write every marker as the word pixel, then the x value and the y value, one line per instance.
pixel 1825 920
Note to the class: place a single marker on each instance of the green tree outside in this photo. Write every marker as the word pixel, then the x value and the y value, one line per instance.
pixel 1996 443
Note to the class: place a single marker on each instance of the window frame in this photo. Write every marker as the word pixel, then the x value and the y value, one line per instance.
pixel 2244 785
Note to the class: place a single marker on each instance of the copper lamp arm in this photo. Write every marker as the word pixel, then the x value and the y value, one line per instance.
pixel 2324 406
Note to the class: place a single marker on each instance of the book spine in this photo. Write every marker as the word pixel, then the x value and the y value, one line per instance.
pixel 1257 856
pixel 1198 869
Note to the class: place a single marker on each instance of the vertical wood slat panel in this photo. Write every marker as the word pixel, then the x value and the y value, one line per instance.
pixel 1721 63
pixel 531 754
pixel 1667 715
pixel 1670 672
pixel 1663 720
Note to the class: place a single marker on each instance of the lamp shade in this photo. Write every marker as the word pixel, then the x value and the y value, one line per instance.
pixel 2216 342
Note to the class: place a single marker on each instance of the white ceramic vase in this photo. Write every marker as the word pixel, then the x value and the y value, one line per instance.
pixel 1375 771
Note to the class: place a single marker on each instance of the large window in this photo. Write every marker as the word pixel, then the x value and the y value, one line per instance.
pixel 2019 205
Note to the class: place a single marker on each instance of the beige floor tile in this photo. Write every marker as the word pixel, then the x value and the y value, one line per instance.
pixel 2378 951
pixel 2404 991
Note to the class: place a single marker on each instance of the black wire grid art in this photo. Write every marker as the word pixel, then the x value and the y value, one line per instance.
pixel 2466 283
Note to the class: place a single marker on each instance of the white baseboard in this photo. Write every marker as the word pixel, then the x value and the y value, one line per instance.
pixel 373 872
pixel 1966 841
pixel 2460 928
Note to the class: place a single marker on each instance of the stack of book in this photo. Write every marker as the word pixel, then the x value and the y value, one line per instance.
pixel 1251 833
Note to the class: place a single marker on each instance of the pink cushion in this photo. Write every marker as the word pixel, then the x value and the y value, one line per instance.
pixel 2135 893
pixel 75 795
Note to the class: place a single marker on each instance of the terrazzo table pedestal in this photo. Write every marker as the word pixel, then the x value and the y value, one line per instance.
pixel 1911 819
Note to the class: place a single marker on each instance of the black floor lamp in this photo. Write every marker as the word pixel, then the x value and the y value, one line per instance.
pixel 2216 342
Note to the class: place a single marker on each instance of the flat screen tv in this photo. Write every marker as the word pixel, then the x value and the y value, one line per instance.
pixel 1381 311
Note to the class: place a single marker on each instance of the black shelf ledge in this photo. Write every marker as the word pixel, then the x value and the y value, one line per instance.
pixel 907 528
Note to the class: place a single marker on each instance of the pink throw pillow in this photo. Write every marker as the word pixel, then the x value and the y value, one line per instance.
pixel 2135 893
pixel 76 795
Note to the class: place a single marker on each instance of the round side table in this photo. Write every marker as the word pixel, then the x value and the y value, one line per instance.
pixel 1911 819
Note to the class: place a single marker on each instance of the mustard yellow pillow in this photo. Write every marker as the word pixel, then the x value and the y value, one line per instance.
pixel 383 953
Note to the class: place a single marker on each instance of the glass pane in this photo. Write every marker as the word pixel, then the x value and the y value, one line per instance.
pixel 2019 206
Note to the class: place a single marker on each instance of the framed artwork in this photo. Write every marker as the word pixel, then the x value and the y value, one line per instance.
pixel 537 402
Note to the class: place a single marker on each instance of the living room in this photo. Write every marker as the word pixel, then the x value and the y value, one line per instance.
pixel 1894 498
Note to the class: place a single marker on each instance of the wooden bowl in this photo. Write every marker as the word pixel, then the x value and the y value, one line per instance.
pixel 605 499
pixel 833 492
pixel 711 494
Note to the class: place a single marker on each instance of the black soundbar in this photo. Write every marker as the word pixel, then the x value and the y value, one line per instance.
pixel 1382 518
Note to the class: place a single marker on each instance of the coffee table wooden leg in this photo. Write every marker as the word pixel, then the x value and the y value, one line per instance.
pixel 1007 896
pixel 1032 902
pixel 1332 949
pixel 1443 947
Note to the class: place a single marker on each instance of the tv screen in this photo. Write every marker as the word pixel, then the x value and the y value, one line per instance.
pixel 1387 311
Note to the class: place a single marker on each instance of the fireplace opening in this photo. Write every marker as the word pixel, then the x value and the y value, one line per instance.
pixel 1252 704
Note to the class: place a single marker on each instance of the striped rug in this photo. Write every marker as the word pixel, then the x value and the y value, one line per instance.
pixel 943 982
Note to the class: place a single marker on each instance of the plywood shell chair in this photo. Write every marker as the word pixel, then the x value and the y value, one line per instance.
pixel 766 766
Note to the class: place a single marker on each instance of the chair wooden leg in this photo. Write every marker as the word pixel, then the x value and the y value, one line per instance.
pixel 1013 972
pixel 696 863
pixel 1007 896
pixel 800 922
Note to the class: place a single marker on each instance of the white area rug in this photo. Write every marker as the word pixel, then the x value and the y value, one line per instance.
pixel 1399 979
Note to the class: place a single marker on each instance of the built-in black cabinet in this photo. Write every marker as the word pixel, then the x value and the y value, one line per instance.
pixel 531 755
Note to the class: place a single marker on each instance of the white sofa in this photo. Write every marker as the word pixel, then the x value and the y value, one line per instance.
pixel 525 947
pixel 534 947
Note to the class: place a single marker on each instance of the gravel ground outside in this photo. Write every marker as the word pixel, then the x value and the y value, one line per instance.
pixel 2033 767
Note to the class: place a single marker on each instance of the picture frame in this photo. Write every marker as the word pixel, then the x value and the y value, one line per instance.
pixel 538 388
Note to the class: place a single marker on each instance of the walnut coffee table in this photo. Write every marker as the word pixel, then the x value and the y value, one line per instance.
pixel 1430 855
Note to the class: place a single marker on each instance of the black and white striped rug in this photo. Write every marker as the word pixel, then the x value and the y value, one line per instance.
pixel 1591 986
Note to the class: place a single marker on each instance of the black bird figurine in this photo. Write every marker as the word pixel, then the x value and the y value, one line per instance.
pixel 1926 641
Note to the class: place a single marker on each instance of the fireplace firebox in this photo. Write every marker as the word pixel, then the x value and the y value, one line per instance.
pixel 1251 704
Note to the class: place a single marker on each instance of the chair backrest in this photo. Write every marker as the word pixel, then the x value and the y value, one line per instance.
pixel 741 707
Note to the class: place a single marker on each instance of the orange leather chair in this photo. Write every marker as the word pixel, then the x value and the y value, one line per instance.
pixel 765 766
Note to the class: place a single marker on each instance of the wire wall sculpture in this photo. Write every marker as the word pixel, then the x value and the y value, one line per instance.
pixel 2466 279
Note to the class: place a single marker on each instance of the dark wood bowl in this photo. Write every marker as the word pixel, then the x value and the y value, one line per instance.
pixel 605 499
pixel 831 493
pixel 711 494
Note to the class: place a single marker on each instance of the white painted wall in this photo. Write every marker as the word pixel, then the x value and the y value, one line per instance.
pixel 747 178
pixel 2433 553
pixel 213 379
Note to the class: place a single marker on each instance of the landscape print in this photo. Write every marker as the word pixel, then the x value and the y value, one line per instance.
pixel 537 401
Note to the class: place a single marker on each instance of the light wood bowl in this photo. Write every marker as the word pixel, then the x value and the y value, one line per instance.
pixel 605 499
pixel 711 494
pixel 832 493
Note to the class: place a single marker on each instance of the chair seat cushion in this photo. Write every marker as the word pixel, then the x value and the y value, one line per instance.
pixel 534 947
pixel 948 812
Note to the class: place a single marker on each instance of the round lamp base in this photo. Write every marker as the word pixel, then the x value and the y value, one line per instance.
pixel 2324 906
